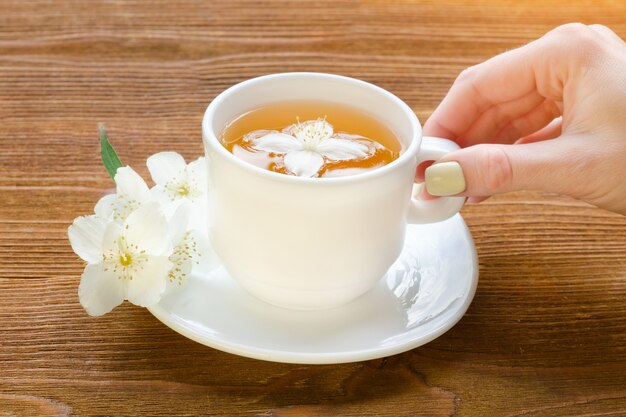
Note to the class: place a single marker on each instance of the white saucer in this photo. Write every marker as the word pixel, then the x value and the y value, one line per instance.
pixel 423 295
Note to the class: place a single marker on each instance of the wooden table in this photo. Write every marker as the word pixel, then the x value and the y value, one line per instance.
pixel 545 335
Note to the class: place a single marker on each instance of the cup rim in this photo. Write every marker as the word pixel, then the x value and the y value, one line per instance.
pixel 210 138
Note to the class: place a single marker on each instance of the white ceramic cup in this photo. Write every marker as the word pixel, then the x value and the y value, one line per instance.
pixel 315 243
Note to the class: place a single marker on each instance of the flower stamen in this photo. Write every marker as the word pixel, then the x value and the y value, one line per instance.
pixel 183 190
pixel 126 259
pixel 185 251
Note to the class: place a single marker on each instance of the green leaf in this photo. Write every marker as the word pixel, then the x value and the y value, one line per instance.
pixel 109 157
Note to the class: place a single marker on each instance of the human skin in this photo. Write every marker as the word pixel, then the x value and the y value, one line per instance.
pixel 548 116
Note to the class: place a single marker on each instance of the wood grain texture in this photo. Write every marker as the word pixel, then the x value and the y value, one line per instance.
pixel 545 335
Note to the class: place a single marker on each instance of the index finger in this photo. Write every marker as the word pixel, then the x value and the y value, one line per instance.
pixel 503 78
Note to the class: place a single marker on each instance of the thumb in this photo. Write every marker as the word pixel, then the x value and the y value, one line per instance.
pixel 488 169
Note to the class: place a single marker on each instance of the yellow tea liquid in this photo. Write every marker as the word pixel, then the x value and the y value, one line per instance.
pixel 241 137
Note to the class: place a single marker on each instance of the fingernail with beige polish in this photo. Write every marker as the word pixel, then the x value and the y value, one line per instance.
pixel 444 179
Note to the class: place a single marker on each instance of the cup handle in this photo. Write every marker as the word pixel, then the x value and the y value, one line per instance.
pixel 442 208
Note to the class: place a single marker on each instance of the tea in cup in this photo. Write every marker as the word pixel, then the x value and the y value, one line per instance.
pixel 311 139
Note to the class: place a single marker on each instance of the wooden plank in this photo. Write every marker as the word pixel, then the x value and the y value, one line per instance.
pixel 545 335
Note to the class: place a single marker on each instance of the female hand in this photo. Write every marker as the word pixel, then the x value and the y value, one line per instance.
pixel 553 113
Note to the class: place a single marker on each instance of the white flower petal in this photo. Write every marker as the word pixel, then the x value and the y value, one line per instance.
pixel 130 184
pixel 104 207
pixel 161 195
pixel 207 258
pixel 165 201
pixel 304 163
pixel 164 166
pixel 198 174
pixel 148 283
pixel 179 222
pixel 279 143
pixel 315 130
pixel 342 150
pixel 146 227
pixel 86 236
pixel 200 215
pixel 199 169
pixel 100 291
pixel 112 234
